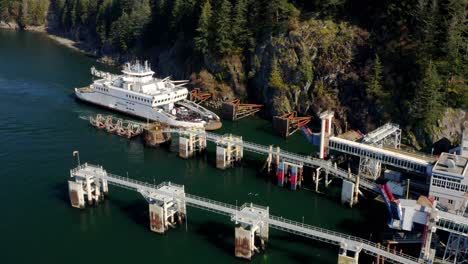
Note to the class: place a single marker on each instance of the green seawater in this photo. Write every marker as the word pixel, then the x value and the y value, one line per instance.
pixel 41 124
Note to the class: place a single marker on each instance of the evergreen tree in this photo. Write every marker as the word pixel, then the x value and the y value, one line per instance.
pixel 456 35
pixel 378 97
pixel 202 40
pixel 456 54
pixel 4 14
pixel 426 105
pixel 240 29
pixel 374 85
pixel 222 32
pixel 428 20
pixel 128 29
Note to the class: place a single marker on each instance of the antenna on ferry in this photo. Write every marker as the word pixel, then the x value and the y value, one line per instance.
pixel 146 65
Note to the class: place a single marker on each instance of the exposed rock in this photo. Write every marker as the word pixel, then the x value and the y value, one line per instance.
pixel 305 69
pixel 9 25
pixel 451 126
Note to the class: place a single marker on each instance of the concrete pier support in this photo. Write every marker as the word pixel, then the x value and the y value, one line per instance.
pixel 347 193
pixel 86 188
pixel 191 142
pixel 251 224
pixel 280 171
pixel 229 150
pixel 166 207
pixel 348 255
pixel 317 178
pixel 291 172
pixel 76 193
pixel 244 242
pixel 326 132
pixel 269 160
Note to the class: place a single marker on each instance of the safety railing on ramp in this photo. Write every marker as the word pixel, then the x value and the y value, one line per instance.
pixel 279 223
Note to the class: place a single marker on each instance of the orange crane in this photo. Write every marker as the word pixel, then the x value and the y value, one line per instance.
pixel 234 110
pixel 285 125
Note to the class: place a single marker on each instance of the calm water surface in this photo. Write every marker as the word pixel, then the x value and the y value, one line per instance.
pixel 41 124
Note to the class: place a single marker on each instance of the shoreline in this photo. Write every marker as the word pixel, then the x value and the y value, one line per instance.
pixel 66 42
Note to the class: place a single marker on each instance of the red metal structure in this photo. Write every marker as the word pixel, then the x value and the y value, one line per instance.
pixel 198 96
pixel 235 110
pixel 285 125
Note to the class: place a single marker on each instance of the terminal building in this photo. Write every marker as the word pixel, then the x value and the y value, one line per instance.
pixel 449 182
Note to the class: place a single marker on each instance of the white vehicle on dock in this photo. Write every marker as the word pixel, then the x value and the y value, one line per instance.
pixel 137 93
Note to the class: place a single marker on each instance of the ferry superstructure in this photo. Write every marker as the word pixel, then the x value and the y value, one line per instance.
pixel 136 92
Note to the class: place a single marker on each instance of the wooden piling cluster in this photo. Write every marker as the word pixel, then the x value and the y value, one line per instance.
pixel 124 128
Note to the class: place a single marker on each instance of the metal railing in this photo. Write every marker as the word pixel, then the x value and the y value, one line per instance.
pixel 280 223
pixel 286 155
pixel 336 238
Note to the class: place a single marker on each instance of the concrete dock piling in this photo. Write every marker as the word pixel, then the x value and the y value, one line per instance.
pixel 347 255
pixel 249 228
pixel 166 206
pixel 229 150
pixel 191 142
pixel 86 188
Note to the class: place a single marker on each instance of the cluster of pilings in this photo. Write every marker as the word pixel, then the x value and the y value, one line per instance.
pixel 348 255
pixel 86 188
pixel 229 151
pixel 117 126
pixel 191 142
pixel 167 208
pixel 251 233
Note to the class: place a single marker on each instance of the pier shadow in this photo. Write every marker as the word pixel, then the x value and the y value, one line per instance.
pixel 60 191
pixel 136 210
pixel 218 234
pixel 296 245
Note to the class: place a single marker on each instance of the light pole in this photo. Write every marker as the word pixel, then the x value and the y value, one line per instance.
pixel 77 154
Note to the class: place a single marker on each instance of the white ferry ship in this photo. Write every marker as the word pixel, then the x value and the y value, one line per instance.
pixel 136 92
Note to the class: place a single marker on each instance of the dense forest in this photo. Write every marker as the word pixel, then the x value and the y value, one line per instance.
pixel 371 61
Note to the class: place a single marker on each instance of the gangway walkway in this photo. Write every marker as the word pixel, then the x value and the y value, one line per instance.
pixel 279 223
pixel 286 156
pixel 382 133
pixel 452 223
pixel 386 156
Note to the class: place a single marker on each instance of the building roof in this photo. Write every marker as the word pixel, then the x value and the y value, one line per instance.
pixel 452 165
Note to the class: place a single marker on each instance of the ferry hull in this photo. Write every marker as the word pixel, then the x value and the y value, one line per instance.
pixel 129 108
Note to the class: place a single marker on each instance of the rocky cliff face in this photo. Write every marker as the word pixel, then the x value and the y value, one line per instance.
pixel 450 127
pixel 308 69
